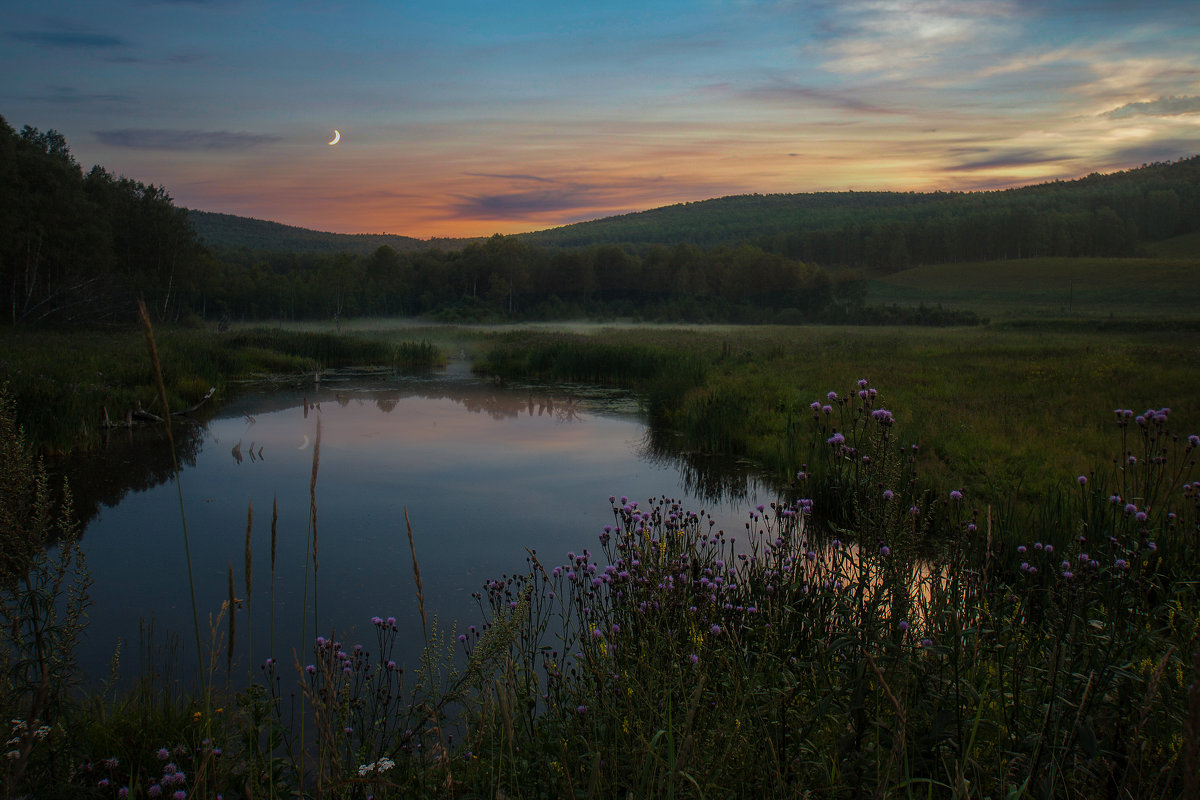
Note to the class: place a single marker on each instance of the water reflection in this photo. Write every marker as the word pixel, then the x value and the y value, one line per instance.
pixel 484 472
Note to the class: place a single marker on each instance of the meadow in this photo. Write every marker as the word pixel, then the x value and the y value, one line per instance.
pixel 978 580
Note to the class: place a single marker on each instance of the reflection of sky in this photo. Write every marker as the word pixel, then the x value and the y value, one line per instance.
pixel 470 118
pixel 479 488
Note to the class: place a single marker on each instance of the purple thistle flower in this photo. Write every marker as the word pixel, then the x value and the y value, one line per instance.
pixel 715 630
pixel 927 643
pixel 885 551
pixel 831 397
pixel 887 494
pixel 956 495
pixel 1140 516
pixel 1082 479
pixel 581 710
pixel 310 669
pixel 163 754
pixel 180 794
pixel 903 625
pixel 154 790
pixel 1194 441
pixel 377 621
pixel 815 405
pixel 1130 508
pixel 836 439
pixel 694 659
pixel 826 409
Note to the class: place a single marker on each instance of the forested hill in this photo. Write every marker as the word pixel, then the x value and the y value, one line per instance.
pixel 1114 214
pixel 226 231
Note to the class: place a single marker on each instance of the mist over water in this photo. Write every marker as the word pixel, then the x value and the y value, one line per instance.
pixel 485 472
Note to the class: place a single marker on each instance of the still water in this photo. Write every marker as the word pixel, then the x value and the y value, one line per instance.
pixel 484 472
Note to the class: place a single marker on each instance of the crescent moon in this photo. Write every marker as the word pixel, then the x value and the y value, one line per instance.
pixel 337 136
pixel 301 447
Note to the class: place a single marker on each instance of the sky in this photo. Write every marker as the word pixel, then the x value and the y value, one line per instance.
pixel 467 118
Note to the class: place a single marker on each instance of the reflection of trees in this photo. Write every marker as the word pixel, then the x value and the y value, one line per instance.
pixel 713 478
pixel 127 461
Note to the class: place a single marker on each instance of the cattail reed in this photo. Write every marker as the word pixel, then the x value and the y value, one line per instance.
pixel 249 558
pixel 156 366
pixel 232 626
pixel 416 574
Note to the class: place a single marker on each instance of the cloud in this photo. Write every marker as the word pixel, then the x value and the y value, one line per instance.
pixel 1162 107
pixel 69 95
pixel 517 177
pixel 1157 151
pixel 164 139
pixel 70 40
pixel 517 205
pixel 1006 159
pixel 782 90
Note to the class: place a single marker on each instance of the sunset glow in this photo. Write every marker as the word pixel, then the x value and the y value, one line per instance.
pixel 475 118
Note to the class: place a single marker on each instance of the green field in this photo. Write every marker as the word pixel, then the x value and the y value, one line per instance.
pixel 1053 288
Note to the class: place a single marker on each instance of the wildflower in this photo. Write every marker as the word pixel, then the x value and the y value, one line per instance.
pixel 831 397
pixel 180 794
pixel 836 439
pixel 311 669
pixel 581 710
pixel 826 409
pixel 887 494
pixel 123 793
pixel 163 754
pixel 1130 508
pixel 956 495
pixel 715 630
pixel 1121 564
pixel 104 783
pixel 885 551
pixel 927 643
pixel 1140 516
pixel 882 416
pixel 903 625
pixel 154 791
pixel 1194 441
pixel 693 659
pixel 462 637
pixel 1082 479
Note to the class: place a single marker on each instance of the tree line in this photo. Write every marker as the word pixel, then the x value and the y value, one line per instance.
pixel 1100 215
pixel 78 247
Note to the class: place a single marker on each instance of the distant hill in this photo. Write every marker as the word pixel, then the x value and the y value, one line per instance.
pixel 1118 214
pixel 892 229
pixel 227 231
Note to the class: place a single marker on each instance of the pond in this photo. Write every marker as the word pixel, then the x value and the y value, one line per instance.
pixel 483 471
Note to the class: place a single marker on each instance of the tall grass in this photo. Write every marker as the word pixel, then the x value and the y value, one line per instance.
pixel 872 633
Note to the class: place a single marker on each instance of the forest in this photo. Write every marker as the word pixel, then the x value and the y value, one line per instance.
pixel 81 248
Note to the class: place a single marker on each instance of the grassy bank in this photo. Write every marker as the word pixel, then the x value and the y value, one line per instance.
pixel 63 381
pixel 1000 410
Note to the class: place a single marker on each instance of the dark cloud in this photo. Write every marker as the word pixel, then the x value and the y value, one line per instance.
pixel 1004 159
pixel 1152 152
pixel 69 95
pixel 518 205
pixel 163 139
pixel 517 177
pixel 790 92
pixel 70 40
pixel 1162 107
pixel 179 58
